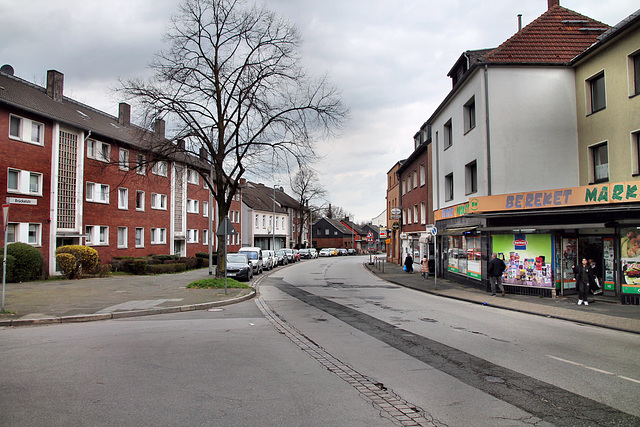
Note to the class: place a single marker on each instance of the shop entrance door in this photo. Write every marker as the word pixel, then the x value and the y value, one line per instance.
pixel 569 257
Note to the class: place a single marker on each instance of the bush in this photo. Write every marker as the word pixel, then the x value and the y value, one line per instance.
pixel 138 266
pixel 203 258
pixel 167 268
pixel 86 260
pixel 165 257
pixel 119 263
pixel 27 262
pixel 11 260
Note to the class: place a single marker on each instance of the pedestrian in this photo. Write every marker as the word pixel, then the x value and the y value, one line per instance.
pixel 408 263
pixel 425 267
pixel 584 280
pixel 495 270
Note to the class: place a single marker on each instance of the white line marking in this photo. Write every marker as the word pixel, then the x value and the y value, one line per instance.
pixel 594 369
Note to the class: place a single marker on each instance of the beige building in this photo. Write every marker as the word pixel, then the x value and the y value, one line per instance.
pixel 608 106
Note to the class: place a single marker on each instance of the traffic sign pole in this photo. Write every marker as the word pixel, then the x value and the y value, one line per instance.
pixel 5 212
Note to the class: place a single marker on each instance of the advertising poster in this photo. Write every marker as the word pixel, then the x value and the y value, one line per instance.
pixel 608 255
pixel 527 257
pixel 630 257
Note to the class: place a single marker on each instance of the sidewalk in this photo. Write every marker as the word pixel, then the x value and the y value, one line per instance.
pixel 600 311
pixel 60 301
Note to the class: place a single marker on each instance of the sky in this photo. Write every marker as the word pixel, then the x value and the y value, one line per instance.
pixel 388 58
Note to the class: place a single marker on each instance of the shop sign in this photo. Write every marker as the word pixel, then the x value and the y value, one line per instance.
pixel 452 212
pixel 624 192
pixel 520 242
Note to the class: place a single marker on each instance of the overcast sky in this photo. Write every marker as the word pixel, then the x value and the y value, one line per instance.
pixel 389 58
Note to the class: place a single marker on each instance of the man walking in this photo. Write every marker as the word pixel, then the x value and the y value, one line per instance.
pixel 495 270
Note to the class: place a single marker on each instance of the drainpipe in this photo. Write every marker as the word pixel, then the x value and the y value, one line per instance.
pixel 487 123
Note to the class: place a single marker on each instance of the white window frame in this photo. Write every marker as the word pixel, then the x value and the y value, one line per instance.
pixel 23 182
pixel 22 232
pixel 205 209
pixel 423 213
pixel 140 195
pixel 98 150
pixel 595 168
pixel 634 74
pixel 161 198
pixel 123 237
pixel 25 128
pixel 192 236
pixel 193 177
pixel 141 166
pixel 415 178
pixel 590 83
pixel 423 175
pixel 139 237
pixel 93 189
pixel 193 206
pixel 160 168
pixel 205 236
pixel 449 190
pixel 123 198
pixel 94 235
pixel 158 236
pixel 415 214
pixel 123 159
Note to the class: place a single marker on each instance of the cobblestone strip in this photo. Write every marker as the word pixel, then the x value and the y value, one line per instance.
pixel 385 400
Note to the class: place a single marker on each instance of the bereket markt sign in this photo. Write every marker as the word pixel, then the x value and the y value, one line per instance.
pixel 600 194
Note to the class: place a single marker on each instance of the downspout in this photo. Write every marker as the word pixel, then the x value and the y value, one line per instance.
pixel 487 123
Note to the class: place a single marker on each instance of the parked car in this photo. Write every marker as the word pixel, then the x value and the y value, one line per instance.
pixel 281 255
pixel 290 255
pixel 239 266
pixel 326 252
pixel 268 259
pixel 255 256
pixel 352 251
pixel 334 251
pixel 342 252
pixel 313 252
pixel 304 253
pixel 296 254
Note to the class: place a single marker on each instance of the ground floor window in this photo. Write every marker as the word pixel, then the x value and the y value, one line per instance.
pixel 464 255
pixel 630 259
pixel 528 258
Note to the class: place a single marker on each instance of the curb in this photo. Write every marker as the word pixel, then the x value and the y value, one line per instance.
pixel 80 318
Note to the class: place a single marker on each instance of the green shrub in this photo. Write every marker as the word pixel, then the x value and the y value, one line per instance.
pixel 139 266
pixel 203 258
pixel 27 263
pixel 86 260
pixel 165 257
pixel 11 260
pixel 167 268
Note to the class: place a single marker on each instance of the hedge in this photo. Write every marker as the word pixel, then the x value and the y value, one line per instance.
pixel 167 268
pixel 26 265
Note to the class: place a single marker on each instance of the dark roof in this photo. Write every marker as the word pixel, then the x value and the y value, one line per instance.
pixel 260 197
pixel 556 37
pixel 612 33
pixel 335 224
pixel 354 226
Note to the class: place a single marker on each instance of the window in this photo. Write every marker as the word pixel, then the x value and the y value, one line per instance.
pixel 423 213
pixel 205 209
pixel 600 162
pixel 159 168
pixel 192 206
pixel 98 193
pixel 415 214
pixel 158 201
pixel 423 175
pixel 470 114
pixel 122 237
pixel 448 134
pixel 635 148
pixel 404 186
pixel 139 200
pixel 205 237
pixel 139 237
pixel 96 235
pixel 471 177
pixel 103 235
pixel 326 231
pixel 192 236
pixel 26 130
pixel 257 221
pixel 11 232
pixel 24 182
pixel 415 178
pixel 448 187
pixel 264 221
pixel 98 150
pixel 597 93
pixel 193 177
pixel 634 71
pixel 123 159
pixel 123 198
pixel 24 232
pixel 158 236
pixel 141 167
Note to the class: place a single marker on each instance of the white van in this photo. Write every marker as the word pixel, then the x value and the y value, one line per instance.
pixel 255 256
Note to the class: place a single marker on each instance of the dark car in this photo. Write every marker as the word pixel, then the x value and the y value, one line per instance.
pixel 282 257
pixel 352 251
pixel 239 267
pixel 290 255
pixel 304 253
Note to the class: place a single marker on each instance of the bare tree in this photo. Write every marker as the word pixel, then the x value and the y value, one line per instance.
pixel 231 86
pixel 305 185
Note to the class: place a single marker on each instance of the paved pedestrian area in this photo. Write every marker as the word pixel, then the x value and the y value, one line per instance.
pixel 601 311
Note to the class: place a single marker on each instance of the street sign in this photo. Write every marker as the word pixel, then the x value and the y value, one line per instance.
pixel 226 228
pixel 383 233
pixel 434 230
pixel 21 201
pixel 5 213
pixel 431 229
pixel 396 211
pixel 370 237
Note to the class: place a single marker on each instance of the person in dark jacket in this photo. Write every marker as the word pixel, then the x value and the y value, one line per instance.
pixel 585 278
pixel 495 270
pixel 408 263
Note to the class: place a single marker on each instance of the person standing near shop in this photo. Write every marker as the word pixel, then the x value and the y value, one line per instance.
pixel 495 270
pixel 408 263
pixel 425 267
pixel 584 280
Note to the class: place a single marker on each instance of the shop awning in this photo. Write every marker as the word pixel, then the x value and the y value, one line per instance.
pixel 456 231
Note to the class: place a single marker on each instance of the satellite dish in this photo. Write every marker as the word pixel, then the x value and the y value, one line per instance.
pixel 7 69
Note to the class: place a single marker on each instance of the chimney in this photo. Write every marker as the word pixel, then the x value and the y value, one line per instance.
pixel 124 114
pixel 158 129
pixel 55 83
pixel 552 3
pixel 519 21
pixel 181 144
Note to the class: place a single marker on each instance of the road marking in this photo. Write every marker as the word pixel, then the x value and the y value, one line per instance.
pixel 137 305
pixel 594 369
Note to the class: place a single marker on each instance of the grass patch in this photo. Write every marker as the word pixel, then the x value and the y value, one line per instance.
pixel 216 284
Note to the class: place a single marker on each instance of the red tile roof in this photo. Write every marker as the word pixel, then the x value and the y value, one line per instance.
pixel 556 37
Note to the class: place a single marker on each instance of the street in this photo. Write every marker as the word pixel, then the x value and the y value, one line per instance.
pixel 326 343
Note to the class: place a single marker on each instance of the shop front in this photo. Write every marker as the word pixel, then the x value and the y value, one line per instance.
pixel 543 235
